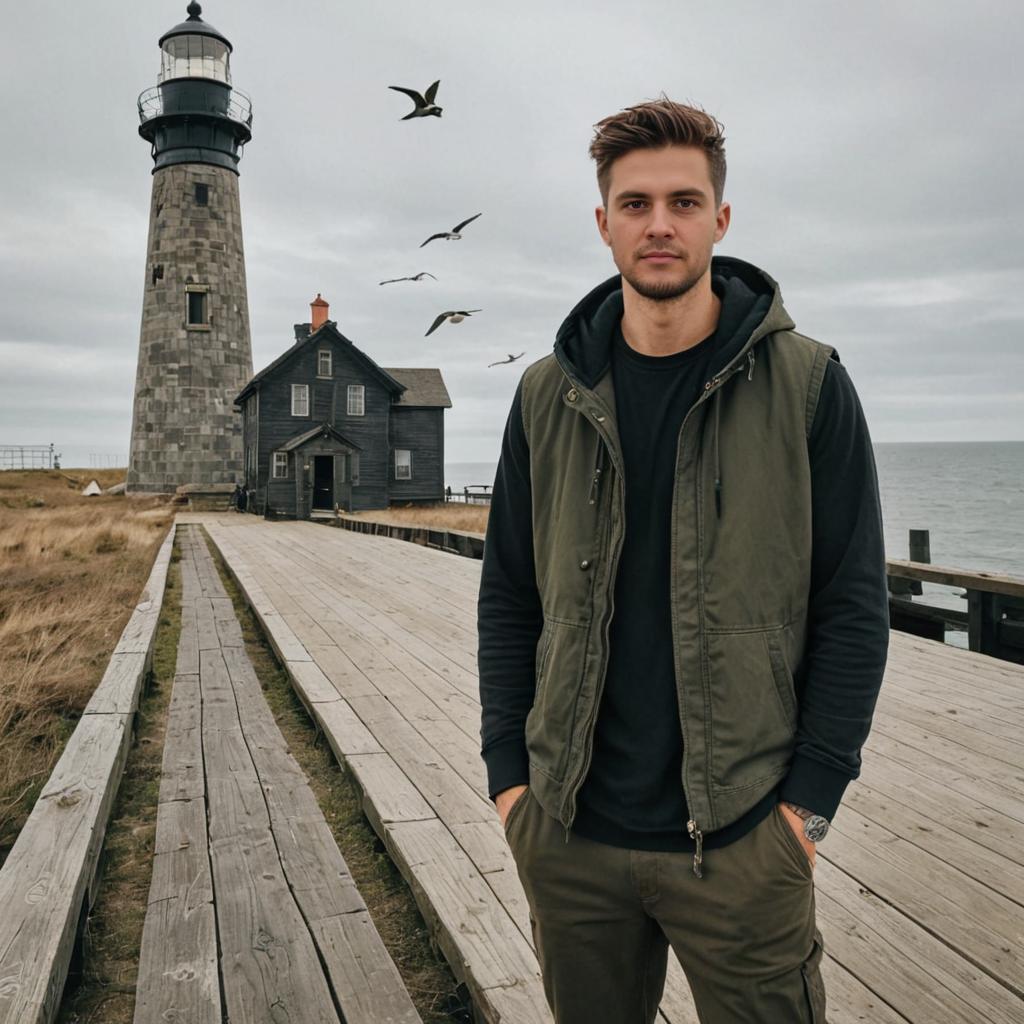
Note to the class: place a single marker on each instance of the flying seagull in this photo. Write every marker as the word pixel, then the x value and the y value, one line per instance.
pixel 425 105
pixel 415 277
pixel 511 359
pixel 454 233
pixel 452 316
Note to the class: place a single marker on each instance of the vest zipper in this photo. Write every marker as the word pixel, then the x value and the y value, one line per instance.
pixel 598 469
pixel 692 828
pixel 613 568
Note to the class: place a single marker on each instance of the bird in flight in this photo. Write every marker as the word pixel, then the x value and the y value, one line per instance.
pixel 425 105
pixel 511 359
pixel 452 316
pixel 415 277
pixel 454 233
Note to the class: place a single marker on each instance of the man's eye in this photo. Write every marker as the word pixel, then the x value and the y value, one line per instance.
pixel 632 201
pixel 689 202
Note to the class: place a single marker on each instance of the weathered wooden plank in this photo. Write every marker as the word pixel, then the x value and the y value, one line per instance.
pixel 181 773
pixel 177 978
pixel 920 976
pixel 388 795
pixel 121 686
pixel 311 682
pixel 982 925
pixel 451 798
pixel 468 923
pixel 344 731
pixel 269 966
pixel 948 764
pixel 47 876
pixel 970 856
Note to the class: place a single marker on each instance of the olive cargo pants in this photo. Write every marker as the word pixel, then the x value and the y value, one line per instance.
pixel 603 919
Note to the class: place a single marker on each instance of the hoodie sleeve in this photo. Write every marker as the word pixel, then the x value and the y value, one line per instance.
pixel 509 615
pixel 848 617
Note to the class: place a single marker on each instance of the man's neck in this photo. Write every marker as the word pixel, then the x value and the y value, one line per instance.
pixel 663 328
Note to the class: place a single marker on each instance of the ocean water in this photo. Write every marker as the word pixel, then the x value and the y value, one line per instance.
pixel 968 495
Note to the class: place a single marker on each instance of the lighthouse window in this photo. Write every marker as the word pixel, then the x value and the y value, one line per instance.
pixel 324 364
pixel 403 464
pixel 202 194
pixel 198 306
pixel 356 400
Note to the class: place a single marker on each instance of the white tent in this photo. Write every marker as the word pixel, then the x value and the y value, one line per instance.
pixel 93 488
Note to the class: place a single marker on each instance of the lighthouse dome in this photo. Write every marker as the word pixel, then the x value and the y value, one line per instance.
pixel 194 49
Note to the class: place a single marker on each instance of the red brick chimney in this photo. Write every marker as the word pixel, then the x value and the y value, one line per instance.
pixel 319 312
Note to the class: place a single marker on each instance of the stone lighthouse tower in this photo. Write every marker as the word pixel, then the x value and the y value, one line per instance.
pixel 194 349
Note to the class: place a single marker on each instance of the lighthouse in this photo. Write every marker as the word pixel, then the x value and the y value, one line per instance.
pixel 195 352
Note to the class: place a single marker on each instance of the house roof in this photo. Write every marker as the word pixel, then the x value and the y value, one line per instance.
pixel 423 386
pixel 327 330
pixel 320 430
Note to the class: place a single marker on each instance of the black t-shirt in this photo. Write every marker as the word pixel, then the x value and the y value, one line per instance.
pixel 633 793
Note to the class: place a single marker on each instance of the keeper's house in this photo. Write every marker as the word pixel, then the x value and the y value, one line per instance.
pixel 325 428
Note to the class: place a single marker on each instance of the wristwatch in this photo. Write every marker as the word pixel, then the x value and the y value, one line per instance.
pixel 815 826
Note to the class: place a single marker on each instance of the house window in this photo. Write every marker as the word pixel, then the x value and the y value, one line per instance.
pixel 403 464
pixel 300 399
pixel 202 194
pixel 356 406
pixel 280 465
pixel 198 311
pixel 324 363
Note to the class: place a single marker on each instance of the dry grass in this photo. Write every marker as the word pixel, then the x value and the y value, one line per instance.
pixel 451 516
pixel 71 570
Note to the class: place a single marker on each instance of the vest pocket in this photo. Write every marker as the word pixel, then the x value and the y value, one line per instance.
pixel 549 725
pixel 753 708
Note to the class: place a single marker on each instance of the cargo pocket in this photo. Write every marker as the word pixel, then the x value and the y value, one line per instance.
pixel 814 985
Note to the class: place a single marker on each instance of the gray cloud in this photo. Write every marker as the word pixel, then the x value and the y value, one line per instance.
pixel 872 171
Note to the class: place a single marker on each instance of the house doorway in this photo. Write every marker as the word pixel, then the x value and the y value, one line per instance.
pixel 323 482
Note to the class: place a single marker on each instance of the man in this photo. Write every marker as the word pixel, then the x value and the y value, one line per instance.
pixel 683 613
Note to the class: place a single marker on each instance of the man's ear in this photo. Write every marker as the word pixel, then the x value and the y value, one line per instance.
pixel 722 221
pixel 601 216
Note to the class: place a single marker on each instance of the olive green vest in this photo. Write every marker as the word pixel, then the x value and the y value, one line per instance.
pixel 740 573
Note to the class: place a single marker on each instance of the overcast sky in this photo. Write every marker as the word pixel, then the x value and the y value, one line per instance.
pixel 874 153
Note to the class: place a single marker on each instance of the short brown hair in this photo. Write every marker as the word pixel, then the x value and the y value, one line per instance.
pixel 654 125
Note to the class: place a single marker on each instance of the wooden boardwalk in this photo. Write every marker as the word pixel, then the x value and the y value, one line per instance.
pixel 919 886
pixel 252 914
pixel 48 882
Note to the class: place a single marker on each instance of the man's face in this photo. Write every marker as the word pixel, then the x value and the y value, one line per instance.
pixel 662 200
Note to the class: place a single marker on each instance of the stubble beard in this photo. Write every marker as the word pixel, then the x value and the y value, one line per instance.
pixel 664 291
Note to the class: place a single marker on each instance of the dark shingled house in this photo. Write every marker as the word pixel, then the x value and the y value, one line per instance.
pixel 324 428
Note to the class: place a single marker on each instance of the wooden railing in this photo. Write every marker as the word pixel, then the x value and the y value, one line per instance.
pixel 993 618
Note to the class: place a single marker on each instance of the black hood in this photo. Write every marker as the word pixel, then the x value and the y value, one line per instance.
pixel 751 308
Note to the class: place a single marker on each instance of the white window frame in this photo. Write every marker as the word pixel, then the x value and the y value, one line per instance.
pixel 406 464
pixel 303 391
pixel 320 362
pixel 357 407
pixel 277 466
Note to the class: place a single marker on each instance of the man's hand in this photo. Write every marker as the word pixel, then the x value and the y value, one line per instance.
pixel 505 799
pixel 796 823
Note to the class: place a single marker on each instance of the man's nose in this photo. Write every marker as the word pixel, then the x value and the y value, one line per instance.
pixel 659 222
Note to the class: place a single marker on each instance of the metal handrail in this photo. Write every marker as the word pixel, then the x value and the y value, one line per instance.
pixel 239 107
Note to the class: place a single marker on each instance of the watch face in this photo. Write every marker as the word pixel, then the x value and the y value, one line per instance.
pixel 815 828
